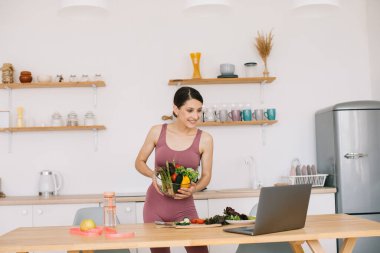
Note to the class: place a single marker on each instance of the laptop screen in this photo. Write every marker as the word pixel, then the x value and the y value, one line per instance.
pixel 280 208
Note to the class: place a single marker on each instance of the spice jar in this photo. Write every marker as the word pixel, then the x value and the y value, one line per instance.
pixel 25 77
pixel 89 119
pixel 72 119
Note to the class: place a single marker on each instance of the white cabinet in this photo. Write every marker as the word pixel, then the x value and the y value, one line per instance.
pixel 126 212
pixel 56 215
pixel 12 217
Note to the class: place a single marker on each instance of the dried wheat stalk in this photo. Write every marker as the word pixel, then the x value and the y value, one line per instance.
pixel 264 44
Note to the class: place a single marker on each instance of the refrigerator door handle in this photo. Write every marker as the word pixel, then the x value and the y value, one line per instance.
pixel 355 155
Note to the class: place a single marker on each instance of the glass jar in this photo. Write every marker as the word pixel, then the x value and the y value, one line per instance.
pixel 73 78
pixel 109 208
pixel 84 78
pixel 250 69
pixel 89 119
pixel 98 77
pixel 56 119
pixel 72 119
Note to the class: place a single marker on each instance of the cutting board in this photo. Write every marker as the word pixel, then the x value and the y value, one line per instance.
pixel 172 225
pixel 200 226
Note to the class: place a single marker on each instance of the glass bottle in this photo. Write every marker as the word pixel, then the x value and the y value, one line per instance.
pixel 109 209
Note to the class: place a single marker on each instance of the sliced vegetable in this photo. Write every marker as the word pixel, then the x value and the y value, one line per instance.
pixel 184 222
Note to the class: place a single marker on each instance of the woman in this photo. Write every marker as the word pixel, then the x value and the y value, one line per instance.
pixel 183 143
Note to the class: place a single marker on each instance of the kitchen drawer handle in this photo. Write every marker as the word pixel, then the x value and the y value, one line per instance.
pixel 355 155
pixel 127 209
pixel 24 212
pixel 39 212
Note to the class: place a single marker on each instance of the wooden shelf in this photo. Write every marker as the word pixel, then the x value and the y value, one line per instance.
pixel 52 85
pixel 244 80
pixel 51 128
pixel 238 123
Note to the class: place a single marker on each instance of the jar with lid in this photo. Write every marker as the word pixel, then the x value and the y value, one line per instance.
pixel 25 77
pixel 109 208
pixel 98 77
pixel 250 69
pixel 89 119
pixel 56 119
pixel 72 119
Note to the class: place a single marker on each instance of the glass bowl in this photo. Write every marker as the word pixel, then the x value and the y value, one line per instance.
pixel 167 187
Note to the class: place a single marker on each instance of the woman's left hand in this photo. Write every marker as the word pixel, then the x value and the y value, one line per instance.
pixel 184 193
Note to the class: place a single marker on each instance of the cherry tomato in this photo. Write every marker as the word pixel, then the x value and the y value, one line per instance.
pixel 197 221
pixel 201 221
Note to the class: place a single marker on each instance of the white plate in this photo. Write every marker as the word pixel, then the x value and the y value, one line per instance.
pixel 242 222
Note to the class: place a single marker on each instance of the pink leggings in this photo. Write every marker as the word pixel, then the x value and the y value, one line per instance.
pixel 161 208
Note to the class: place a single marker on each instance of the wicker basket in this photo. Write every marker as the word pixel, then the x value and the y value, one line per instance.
pixel 316 180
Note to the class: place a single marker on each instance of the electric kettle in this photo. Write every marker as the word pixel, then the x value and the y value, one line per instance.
pixel 50 183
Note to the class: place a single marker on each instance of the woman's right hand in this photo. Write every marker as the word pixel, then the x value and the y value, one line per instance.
pixel 154 182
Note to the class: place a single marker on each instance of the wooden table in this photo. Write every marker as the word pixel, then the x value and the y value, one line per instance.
pixel 147 235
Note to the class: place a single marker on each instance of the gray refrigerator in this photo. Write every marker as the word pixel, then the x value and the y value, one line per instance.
pixel 348 149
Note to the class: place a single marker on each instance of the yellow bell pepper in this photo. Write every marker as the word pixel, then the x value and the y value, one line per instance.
pixel 185 182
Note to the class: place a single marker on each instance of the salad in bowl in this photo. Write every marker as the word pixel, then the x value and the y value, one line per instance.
pixel 172 177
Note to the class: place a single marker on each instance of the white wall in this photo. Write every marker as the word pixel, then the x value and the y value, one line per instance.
pixel 374 49
pixel 138 48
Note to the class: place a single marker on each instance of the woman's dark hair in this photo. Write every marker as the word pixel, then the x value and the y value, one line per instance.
pixel 186 93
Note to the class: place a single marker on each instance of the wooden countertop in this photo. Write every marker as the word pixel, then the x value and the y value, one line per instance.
pixel 148 235
pixel 97 198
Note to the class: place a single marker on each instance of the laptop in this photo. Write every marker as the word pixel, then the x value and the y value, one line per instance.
pixel 280 208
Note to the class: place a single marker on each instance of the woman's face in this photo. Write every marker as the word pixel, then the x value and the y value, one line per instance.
pixel 189 113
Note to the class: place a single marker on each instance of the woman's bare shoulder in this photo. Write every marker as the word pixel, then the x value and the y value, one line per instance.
pixel 206 137
pixel 155 130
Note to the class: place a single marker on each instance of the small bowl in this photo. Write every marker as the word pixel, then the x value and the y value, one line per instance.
pixel 44 78
pixel 227 69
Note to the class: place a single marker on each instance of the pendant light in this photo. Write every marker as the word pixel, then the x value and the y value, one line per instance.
pixel 83 7
pixel 315 3
pixel 207 7
pixel 315 8
pixel 207 3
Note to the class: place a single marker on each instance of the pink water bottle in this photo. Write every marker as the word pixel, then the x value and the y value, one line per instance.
pixel 109 207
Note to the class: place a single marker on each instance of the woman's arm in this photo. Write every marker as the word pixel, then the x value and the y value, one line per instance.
pixel 146 150
pixel 207 150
